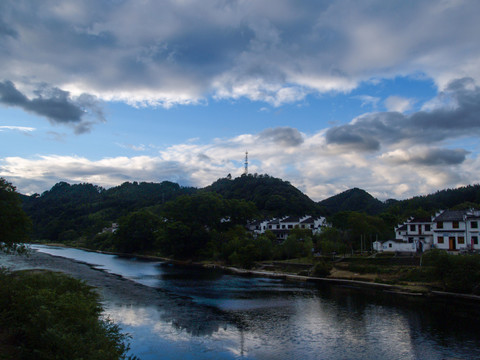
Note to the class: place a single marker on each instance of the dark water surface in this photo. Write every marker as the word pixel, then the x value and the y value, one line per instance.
pixel 210 315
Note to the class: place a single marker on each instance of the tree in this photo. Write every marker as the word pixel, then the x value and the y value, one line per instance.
pixel 137 232
pixel 15 225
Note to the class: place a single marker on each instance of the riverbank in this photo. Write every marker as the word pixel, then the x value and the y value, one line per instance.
pixel 411 289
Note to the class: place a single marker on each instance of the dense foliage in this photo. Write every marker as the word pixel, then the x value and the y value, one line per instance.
pixel 67 212
pixel 456 273
pixel 52 316
pixel 14 223
pixel 270 195
pixel 353 200
pixel 186 223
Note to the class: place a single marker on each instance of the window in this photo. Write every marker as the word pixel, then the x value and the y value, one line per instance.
pixel 410 240
pixel 311 226
pixel 461 240
pixel 475 240
pixel 455 224
pixel 390 245
pixel 427 227
pixel 440 240
pixel 439 224
pixel 413 227
pixel 290 226
pixel 269 226
pixel 474 225
pixel 283 226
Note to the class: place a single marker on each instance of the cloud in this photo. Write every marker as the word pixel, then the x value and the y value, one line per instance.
pixel 427 156
pixel 40 173
pixel 53 104
pixel 370 131
pixel 368 100
pixel 273 51
pixel 307 161
pixel 284 136
pixel 23 129
pixel 398 103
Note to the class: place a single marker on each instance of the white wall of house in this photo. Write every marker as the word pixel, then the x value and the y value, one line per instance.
pixel 393 246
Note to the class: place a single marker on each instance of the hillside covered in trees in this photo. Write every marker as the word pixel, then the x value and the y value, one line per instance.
pixel 209 222
pixel 353 200
pixel 271 196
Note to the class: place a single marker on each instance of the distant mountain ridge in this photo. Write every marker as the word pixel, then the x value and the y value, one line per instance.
pixel 353 200
pixel 67 211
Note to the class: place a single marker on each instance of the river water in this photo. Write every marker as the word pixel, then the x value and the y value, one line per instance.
pixel 206 314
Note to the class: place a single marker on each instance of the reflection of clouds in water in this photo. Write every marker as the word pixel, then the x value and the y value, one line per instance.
pixel 158 331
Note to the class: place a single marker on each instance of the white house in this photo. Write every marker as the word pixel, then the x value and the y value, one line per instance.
pixel 416 234
pixel 452 230
pixel 394 246
pixel 456 230
pixel 282 227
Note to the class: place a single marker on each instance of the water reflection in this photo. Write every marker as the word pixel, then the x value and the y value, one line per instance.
pixel 203 314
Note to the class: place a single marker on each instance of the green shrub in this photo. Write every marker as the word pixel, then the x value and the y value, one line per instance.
pixel 47 315
pixel 457 273
pixel 321 269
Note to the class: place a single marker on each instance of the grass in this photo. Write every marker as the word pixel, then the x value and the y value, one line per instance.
pixel 47 315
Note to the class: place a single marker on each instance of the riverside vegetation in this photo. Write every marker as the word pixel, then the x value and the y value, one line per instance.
pixel 46 315
pixel 185 223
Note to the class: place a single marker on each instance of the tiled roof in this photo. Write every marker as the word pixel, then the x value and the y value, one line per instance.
pixel 309 220
pixel 402 228
pixel 451 215
pixel 291 219
pixel 420 220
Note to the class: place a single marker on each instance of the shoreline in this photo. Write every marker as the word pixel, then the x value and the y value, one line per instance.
pixel 388 288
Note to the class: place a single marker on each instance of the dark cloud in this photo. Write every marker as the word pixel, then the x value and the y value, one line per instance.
pixel 7 31
pixel 431 157
pixel 285 136
pixel 461 118
pixel 55 105
pixel 341 135
pixel 169 52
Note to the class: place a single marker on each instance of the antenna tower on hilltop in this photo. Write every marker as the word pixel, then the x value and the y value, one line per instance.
pixel 246 163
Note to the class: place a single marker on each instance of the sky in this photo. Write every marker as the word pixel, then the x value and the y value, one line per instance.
pixel 328 95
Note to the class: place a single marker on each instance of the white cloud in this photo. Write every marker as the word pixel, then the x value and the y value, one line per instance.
pixel 398 103
pixel 307 161
pixel 24 129
pixel 168 53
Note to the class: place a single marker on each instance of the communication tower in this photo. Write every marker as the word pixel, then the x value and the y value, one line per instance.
pixel 246 163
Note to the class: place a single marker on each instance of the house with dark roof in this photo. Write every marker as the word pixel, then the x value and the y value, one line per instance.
pixel 452 230
pixel 456 230
pixel 413 235
pixel 281 227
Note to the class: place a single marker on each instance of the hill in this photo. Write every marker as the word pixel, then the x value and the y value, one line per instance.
pixel 459 198
pixel 353 200
pixel 67 211
pixel 272 196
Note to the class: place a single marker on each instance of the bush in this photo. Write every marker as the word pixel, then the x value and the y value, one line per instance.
pixel 45 315
pixel 321 269
pixel 457 273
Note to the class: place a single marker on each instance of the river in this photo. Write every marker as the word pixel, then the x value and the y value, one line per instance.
pixel 194 313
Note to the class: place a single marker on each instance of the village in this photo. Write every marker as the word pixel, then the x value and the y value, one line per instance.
pixel 451 230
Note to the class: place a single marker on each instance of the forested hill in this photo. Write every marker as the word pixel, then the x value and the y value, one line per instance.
pixel 66 211
pixel 460 198
pixel 361 201
pixel 271 195
pixel 353 200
